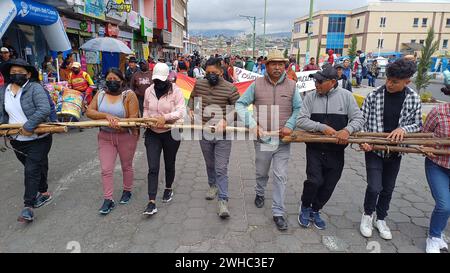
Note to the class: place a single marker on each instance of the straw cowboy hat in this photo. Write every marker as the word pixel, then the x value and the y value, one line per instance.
pixel 276 56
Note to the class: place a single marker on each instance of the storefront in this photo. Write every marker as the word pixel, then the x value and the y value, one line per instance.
pixel 32 29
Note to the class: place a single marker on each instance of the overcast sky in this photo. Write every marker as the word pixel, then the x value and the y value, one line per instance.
pixel 224 14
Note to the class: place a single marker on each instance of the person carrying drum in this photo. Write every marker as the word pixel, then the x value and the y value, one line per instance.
pixel 81 81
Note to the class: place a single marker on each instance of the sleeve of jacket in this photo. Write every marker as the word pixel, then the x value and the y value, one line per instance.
pixel 366 111
pixel 231 109
pixel 355 116
pixel 304 121
pixel 296 106
pixel 42 105
pixel 190 104
pixel 415 115
pixel 180 108
pixel 242 106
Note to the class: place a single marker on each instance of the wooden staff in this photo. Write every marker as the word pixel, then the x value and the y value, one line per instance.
pixel 368 134
pixel 412 150
pixel 325 139
pixel 45 130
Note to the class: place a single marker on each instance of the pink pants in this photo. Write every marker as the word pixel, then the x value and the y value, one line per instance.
pixel 109 145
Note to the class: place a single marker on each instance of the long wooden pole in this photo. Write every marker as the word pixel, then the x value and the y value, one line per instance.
pixel 45 130
pixel 368 134
pixel 318 139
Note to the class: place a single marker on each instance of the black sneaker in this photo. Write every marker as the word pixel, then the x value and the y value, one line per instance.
pixel 108 206
pixel 280 222
pixel 151 209
pixel 167 197
pixel 126 196
pixel 259 201
pixel 42 199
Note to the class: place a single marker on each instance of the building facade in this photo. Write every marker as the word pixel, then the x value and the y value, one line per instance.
pixel 386 28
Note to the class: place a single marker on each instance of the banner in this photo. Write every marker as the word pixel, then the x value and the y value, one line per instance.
pixel 243 75
pixel 35 13
pixel 304 82
pixel 7 13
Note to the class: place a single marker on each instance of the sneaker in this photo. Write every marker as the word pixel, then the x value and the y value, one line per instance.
pixel 384 230
pixel 280 222
pixel 318 222
pixel 366 226
pixel 211 193
pixel 42 199
pixel 444 244
pixel 433 245
pixel 259 201
pixel 304 218
pixel 107 207
pixel 167 196
pixel 27 214
pixel 126 196
pixel 223 211
pixel 151 209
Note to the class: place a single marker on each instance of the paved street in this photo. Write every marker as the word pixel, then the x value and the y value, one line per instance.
pixel 190 223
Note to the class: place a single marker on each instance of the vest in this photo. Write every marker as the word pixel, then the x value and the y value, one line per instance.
pixel 268 95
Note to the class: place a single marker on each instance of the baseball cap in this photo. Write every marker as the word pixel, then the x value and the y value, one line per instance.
pixel 4 49
pixel 76 64
pixel 336 66
pixel 160 72
pixel 328 73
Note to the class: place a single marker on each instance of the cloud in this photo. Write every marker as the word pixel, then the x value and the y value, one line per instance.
pixel 224 14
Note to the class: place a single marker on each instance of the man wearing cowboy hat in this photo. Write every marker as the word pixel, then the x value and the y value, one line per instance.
pixel 24 101
pixel 277 104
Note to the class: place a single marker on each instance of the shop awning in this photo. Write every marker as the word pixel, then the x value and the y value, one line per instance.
pixel 35 13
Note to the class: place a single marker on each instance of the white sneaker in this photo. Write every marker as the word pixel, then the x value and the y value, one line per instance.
pixel 443 244
pixel 366 225
pixel 384 230
pixel 434 245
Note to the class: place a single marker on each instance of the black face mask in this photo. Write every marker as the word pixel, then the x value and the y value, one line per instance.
pixel 19 79
pixel 162 86
pixel 213 79
pixel 114 87
pixel 75 71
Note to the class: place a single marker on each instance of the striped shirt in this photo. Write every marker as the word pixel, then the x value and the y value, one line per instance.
pixel 438 122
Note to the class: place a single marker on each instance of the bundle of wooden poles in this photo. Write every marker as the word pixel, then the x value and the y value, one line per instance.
pixel 421 143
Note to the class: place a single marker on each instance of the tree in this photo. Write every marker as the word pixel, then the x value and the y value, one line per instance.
pixel 423 79
pixel 352 49
pixel 298 55
pixel 285 53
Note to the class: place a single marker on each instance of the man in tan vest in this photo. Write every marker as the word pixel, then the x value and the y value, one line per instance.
pixel 276 106
pixel 214 95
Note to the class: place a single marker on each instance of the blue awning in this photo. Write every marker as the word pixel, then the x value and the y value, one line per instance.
pixel 38 14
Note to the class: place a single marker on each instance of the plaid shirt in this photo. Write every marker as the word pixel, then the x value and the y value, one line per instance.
pixel 410 115
pixel 438 122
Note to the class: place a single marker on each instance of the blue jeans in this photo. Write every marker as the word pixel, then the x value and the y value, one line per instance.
pixel 439 181
pixel 372 80
pixel 217 156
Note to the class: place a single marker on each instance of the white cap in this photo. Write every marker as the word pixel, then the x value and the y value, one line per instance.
pixel 4 49
pixel 160 72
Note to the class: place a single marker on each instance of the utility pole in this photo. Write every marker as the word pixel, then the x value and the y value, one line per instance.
pixel 308 43
pixel 250 18
pixel 265 17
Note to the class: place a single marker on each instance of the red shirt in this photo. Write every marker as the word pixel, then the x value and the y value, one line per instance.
pixel 438 122
pixel 311 67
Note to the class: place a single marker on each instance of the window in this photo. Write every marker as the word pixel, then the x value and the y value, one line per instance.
pixel 445 44
pixel 383 22
pixel 297 27
pixel 448 22
pixel 357 23
pixel 421 42
pixel 424 22
pixel 413 41
pixel 416 22
pixel 380 43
